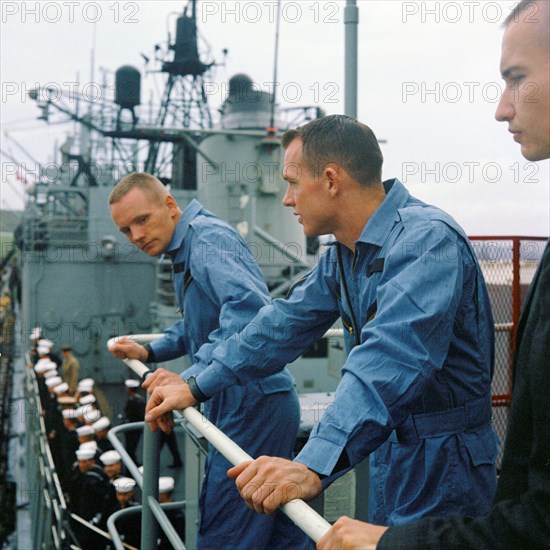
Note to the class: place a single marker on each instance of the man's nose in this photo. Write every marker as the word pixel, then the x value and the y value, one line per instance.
pixel 288 199
pixel 136 234
pixel 505 107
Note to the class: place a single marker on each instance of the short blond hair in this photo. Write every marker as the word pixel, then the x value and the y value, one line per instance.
pixel 141 180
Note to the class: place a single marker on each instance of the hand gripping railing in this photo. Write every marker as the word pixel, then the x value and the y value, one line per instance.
pixel 307 519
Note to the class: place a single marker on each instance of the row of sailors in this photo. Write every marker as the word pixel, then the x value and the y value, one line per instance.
pixel 95 493
pixel 42 350
pixel 55 393
pixel 76 428
pixel 70 420
pixel 94 485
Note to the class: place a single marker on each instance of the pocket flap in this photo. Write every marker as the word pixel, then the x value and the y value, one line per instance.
pixel 482 446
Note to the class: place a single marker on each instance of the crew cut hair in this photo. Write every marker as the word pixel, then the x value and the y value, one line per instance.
pixel 340 139
pixel 147 183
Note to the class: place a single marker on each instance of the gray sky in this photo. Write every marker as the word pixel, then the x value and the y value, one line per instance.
pixel 429 84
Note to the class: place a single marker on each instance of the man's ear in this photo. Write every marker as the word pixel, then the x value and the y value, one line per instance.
pixel 331 175
pixel 170 202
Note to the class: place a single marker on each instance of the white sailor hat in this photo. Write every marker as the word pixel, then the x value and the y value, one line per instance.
pixel 45 343
pixel 51 373
pixel 110 457
pixel 69 413
pixel 53 381
pixel 35 333
pixel 85 430
pixel 62 388
pixel 124 485
pixel 131 383
pixel 85 453
pixel 166 484
pixel 40 368
pixel 86 385
pixel 49 365
pixel 87 399
pixel 102 424
pixel 90 414
pixel 88 445
pixel 79 411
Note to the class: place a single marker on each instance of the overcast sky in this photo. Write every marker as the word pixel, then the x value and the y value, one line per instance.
pixel 429 83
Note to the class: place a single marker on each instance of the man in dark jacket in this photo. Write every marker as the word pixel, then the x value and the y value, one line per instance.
pixel 520 515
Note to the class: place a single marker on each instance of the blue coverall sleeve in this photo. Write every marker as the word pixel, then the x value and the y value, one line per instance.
pixel 279 333
pixel 171 345
pixel 402 347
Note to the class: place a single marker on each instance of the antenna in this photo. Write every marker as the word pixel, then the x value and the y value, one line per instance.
pixel 92 59
pixel 272 129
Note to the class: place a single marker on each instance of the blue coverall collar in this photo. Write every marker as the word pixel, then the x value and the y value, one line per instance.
pixel 378 227
pixel 192 209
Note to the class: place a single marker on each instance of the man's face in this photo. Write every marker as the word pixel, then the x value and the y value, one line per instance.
pixel 69 424
pixel 306 194
pixel 124 498
pixel 112 469
pixel 85 465
pixel 165 497
pixel 101 434
pixel 525 68
pixel 146 223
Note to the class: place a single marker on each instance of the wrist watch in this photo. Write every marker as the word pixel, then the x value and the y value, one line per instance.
pixel 195 390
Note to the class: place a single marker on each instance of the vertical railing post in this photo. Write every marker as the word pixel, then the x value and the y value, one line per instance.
pixel 193 463
pixel 151 459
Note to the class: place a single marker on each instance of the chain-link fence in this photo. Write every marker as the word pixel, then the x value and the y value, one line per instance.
pixel 508 264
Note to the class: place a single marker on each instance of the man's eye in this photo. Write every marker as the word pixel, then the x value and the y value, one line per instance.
pixel 515 81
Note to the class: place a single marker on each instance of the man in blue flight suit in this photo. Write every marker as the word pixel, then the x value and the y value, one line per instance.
pixel 415 388
pixel 219 289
